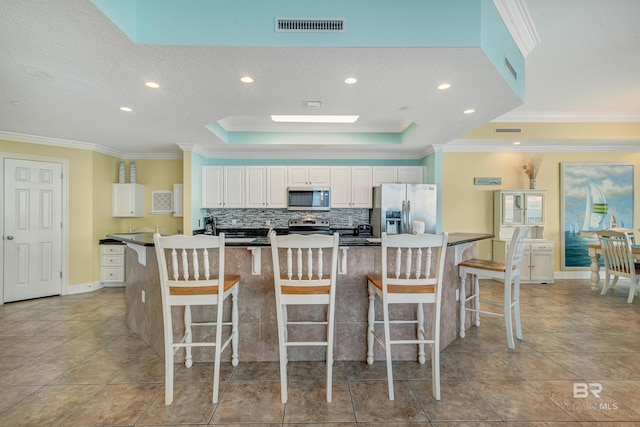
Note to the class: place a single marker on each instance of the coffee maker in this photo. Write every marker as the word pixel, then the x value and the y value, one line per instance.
pixel 210 225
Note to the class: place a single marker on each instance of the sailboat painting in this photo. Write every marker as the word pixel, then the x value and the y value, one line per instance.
pixel 594 196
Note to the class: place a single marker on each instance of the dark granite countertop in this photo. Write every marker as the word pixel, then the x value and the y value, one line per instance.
pixel 146 239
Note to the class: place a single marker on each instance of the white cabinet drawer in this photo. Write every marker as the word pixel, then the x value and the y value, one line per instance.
pixel 541 246
pixel 112 249
pixel 109 274
pixel 112 260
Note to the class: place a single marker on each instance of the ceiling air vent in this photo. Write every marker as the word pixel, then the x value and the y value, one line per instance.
pixel 310 25
pixel 510 69
pixel 508 130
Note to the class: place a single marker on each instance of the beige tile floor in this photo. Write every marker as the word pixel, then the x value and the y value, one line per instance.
pixel 71 361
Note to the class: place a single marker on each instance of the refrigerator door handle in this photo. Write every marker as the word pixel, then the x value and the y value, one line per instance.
pixel 409 220
pixel 403 223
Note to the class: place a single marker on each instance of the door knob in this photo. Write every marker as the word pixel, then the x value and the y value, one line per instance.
pixel 9 237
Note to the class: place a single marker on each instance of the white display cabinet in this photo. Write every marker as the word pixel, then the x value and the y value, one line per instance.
pixel 524 208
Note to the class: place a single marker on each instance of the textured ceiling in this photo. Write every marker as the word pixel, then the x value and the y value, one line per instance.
pixel 65 69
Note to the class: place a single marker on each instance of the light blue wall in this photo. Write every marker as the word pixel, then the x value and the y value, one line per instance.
pixel 370 23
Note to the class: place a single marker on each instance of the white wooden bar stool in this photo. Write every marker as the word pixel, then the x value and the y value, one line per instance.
pixel 618 260
pixel 411 273
pixel 508 272
pixel 192 273
pixel 309 278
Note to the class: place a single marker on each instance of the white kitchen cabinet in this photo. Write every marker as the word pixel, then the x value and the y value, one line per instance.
pixel 223 187
pixel 351 187
pixel 127 200
pixel 537 259
pixel 112 263
pixel 266 187
pixel 411 174
pixel 178 199
pixel 309 175
pixel 398 175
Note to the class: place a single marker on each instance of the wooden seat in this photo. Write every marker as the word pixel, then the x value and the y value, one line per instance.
pixel 190 270
pixel 412 269
pixel 508 272
pixel 618 260
pixel 304 269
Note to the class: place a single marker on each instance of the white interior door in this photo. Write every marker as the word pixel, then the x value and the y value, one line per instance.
pixel 32 240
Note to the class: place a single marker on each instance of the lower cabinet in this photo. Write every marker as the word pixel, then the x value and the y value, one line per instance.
pixel 537 259
pixel 112 263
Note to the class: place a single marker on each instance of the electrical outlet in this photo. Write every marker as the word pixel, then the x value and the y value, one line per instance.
pixel 268 222
pixel 234 221
pixel 350 222
pixel 143 296
pixel 457 294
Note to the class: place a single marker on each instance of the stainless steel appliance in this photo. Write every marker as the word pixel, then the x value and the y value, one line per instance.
pixel 397 206
pixel 309 225
pixel 308 199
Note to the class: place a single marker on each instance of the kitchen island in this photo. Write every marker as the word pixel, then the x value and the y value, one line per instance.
pixel 251 259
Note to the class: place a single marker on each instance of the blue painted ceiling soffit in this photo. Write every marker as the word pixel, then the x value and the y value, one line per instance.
pixel 369 23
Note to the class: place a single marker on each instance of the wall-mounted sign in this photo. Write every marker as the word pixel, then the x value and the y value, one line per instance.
pixel 487 181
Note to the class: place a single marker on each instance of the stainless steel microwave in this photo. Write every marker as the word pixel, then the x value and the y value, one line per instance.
pixel 308 198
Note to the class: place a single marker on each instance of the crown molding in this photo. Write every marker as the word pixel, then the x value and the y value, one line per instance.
pixel 485 146
pixel 77 145
pixel 64 143
pixel 568 117
pixel 516 17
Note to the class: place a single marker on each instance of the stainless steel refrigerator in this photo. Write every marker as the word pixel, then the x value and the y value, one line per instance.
pixel 397 207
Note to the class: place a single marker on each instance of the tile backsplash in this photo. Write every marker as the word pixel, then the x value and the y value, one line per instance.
pixel 279 218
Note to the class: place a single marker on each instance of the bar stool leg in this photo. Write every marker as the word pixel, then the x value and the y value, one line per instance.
pixel 371 323
pixel 420 333
pixel 516 307
pixel 463 302
pixel 387 348
pixel 234 327
pixel 188 336
pixel 476 300
pixel 507 313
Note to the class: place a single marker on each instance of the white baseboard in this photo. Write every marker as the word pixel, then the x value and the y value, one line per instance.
pixel 577 274
pixel 84 287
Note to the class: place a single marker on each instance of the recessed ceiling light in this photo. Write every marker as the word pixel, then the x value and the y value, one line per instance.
pixel 469 111
pixel 516 143
pixel 350 80
pixel 152 85
pixel 126 109
pixel 444 86
pixel 314 119
pixel 246 79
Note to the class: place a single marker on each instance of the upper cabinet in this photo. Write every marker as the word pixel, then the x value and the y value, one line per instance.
pixel 514 208
pixel 398 175
pixel 223 187
pixel 351 187
pixel 127 200
pixel 309 175
pixel 266 187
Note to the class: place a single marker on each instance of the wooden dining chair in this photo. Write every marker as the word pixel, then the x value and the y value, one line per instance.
pixel 192 273
pixel 305 275
pixel 618 261
pixel 412 268
pixel 509 273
